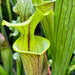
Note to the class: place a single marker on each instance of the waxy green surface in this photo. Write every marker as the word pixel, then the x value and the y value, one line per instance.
pixel 48 27
pixel 31 47
pixel 64 35
pixel 28 41
pixel 61 34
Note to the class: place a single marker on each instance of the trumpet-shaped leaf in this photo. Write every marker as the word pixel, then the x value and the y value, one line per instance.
pixel 27 33
pixel 31 47
pixel 48 26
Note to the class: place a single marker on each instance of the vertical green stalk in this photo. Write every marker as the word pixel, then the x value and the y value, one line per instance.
pixel 24 9
pixel 0 15
pixel 2 28
pixel 16 56
pixel 48 27
pixel 18 64
pixel 6 52
pixel 9 10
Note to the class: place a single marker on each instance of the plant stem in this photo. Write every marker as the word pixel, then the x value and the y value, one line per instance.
pixel 5 49
pixel 9 10
pixel 2 28
pixel 0 15
pixel 18 63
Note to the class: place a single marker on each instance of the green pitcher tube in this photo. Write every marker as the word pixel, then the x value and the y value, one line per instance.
pixel 30 46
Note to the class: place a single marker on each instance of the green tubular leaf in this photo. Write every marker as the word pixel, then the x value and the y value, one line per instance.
pixel 6 53
pixel 2 29
pixel 48 25
pixel 0 16
pixel 32 63
pixel 9 10
pixel 64 34
pixel 24 9
pixel 31 47
pixel 46 7
pixel 23 27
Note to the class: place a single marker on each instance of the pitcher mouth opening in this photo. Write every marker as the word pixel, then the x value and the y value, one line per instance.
pixel 38 51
